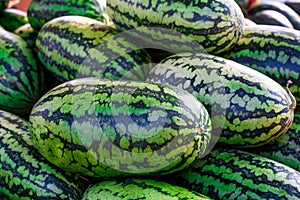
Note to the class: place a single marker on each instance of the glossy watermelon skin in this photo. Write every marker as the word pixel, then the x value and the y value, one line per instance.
pixel 26 174
pixel 247 108
pixel 213 25
pixel 105 128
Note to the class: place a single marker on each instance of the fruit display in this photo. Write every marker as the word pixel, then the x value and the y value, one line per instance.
pixel 150 100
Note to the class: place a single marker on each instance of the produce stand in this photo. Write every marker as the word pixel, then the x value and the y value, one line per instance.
pixel 144 99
